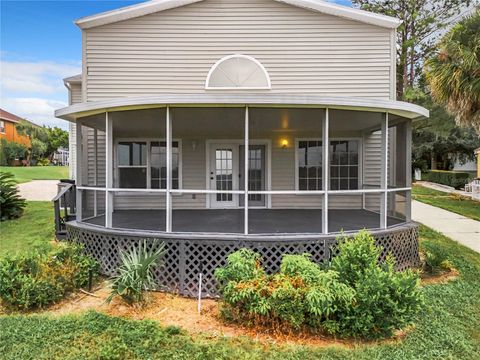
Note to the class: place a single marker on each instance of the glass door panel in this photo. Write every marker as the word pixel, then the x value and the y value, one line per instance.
pixel 224 174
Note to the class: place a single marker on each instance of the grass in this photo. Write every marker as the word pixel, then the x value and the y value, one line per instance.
pixel 35 229
pixel 447 328
pixel 450 202
pixel 29 173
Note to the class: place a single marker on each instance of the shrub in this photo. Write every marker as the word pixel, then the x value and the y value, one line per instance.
pixel 38 280
pixel 355 296
pixel 135 274
pixel 242 265
pixel 10 151
pixel 385 300
pixel 11 204
pixel 435 260
pixel 454 179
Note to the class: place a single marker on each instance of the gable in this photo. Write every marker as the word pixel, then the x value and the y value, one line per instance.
pixel 302 51
pixel 154 6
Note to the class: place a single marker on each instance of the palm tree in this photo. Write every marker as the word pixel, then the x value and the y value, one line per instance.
pixel 453 74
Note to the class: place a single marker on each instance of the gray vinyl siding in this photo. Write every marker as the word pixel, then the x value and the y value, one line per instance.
pixel 303 51
pixel 75 97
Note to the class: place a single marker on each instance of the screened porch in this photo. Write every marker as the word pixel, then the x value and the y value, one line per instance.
pixel 189 169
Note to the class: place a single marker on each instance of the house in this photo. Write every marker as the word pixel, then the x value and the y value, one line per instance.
pixel 204 124
pixel 8 129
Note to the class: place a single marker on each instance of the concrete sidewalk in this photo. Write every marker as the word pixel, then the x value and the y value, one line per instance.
pixel 457 227
pixel 38 190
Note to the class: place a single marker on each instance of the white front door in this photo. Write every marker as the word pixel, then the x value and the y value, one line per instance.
pixel 223 174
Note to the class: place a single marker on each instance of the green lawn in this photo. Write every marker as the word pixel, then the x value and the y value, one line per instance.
pixel 447 328
pixel 35 229
pixel 465 207
pixel 29 173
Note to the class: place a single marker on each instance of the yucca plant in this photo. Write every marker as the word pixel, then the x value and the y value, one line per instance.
pixel 135 274
pixel 11 204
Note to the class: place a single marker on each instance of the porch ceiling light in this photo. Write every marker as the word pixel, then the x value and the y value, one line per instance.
pixel 284 143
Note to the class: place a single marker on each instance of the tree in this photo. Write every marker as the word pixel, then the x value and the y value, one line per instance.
pixel 44 140
pixel 416 36
pixel 453 73
pixel 438 141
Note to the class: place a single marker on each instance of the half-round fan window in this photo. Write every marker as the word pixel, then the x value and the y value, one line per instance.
pixel 238 72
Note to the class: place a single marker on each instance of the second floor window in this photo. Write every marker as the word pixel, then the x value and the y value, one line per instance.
pixel 2 126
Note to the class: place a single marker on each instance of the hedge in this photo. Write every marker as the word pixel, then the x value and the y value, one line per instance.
pixel 450 178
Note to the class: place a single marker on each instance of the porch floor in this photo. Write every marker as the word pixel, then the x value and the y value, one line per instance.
pixel 261 221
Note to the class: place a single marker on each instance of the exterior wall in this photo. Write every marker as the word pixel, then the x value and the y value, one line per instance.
pixel 282 178
pixel 75 97
pixel 11 134
pixel 303 51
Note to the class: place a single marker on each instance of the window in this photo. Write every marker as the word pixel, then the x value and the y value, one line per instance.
pixel 158 151
pixel 132 164
pixel 309 155
pixel 143 164
pixel 238 71
pixel 2 126
pixel 344 165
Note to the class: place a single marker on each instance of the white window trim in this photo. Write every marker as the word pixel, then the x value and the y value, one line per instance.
pixel 148 141
pixel 228 57
pixel 360 160
pixel 2 126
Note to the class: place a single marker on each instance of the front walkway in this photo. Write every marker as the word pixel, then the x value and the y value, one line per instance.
pixel 38 190
pixel 457 227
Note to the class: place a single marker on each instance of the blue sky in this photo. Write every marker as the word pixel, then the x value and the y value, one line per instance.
pixel 40 46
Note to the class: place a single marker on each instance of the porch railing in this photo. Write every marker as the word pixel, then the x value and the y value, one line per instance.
pixel 64 204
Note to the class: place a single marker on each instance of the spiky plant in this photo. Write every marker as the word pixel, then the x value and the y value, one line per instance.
pixel 454 72
pixel 135 274
pixel 11 204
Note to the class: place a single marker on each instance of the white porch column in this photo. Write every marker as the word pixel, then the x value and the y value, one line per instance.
pixel 384 174
pixel 325 168
pixel 95 151
pixel 408 170
pixel 168 205
pixel 245 201
pixel 108 170
pixel 78 171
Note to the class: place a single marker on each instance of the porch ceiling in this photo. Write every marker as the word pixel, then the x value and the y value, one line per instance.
pixel 407 110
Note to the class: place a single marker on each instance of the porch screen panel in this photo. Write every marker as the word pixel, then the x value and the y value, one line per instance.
pixel 355 181
pixel 285 185
pixel 137 139
pixel 93 166
pixel 208 197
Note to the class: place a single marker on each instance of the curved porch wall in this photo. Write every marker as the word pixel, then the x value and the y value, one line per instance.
pixel 172 51
pixel 184 254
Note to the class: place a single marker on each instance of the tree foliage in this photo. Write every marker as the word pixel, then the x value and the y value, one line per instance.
pixel 44 140
pixel 437 141
pixel 416 36
pixel 453 74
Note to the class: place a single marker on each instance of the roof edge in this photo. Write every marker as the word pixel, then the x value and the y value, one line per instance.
pixel 130 12
pixel 153 6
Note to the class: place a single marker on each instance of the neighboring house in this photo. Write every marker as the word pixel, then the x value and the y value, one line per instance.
pixel 185 109
pixel 8 130
pixel 477 157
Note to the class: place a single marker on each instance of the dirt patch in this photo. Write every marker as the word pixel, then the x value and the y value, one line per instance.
pixel 428 279
pixel 172 310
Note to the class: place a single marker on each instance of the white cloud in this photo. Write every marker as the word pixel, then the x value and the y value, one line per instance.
pixel 38 110
pixel 35 77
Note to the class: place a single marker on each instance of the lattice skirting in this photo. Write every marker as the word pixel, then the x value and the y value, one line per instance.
pixel 186 254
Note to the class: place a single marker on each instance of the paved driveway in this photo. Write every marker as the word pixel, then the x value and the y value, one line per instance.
pixel 457 227
pixel 38 190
